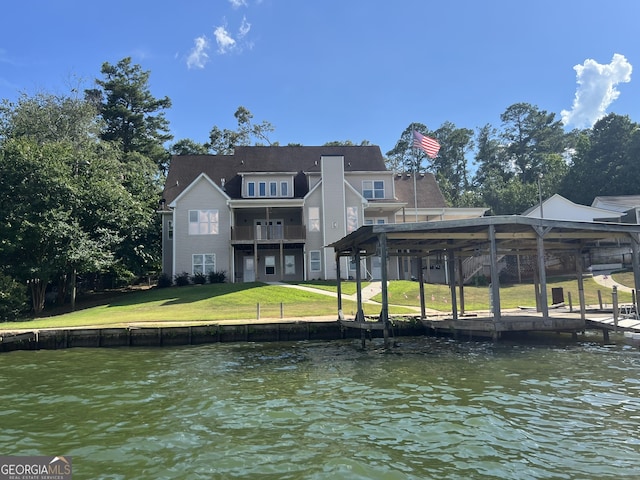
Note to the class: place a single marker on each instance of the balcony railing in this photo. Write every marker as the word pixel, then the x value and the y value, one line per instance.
pixel 268 232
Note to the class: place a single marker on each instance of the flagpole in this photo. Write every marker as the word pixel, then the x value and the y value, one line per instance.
pixel 415 174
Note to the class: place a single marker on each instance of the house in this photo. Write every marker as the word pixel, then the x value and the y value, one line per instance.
pixel 627 205
pixel 557 207
pixel 269 213
pixel 607 255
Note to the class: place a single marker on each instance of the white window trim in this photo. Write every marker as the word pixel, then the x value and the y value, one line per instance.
pixel 202 257
pixel 249 194
pixel 214 226
pixel 312 261
pixel 312 227
pixel 369 185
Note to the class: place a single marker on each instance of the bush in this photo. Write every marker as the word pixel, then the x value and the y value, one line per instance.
pixel 164 281
pixel 217 277
pixel 199 279
pixel 13 299
pixel 182 279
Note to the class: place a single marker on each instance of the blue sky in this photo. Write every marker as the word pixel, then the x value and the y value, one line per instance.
pixel 329 70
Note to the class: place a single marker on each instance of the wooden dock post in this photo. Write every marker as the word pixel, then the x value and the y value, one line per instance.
pixel 614 302
pixel 600 299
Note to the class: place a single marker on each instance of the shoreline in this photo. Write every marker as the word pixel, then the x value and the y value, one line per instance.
pixel 191 333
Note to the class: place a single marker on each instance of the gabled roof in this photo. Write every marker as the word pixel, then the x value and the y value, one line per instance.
pixel 205 178
pixel 558 207
pixel 618 203
pixel 184 169
pixel 428 191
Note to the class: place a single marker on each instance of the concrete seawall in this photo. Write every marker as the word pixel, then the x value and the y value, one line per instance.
pixel 158 336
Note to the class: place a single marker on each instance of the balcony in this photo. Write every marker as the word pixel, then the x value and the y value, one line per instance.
pixel 268 233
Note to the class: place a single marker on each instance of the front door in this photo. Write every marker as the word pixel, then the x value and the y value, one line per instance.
pixel 249 273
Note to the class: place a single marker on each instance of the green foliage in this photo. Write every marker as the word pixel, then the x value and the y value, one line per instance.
pixel 605 161
pixel 223 142
pixel 187 146
pixel 69 203
pixel 217 276
pixel 450 166
pixel 199 278
pixel 133 117
pixel 13 299
pixel 182 279
pixel 164 281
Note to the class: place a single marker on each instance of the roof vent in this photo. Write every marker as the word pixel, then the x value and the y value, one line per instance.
pixel 222 182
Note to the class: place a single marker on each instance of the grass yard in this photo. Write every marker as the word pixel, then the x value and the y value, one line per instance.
pixel 438 297
pixel 229 301
pixel 216 302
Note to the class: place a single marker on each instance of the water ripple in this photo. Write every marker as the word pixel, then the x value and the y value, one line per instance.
pixel 435 409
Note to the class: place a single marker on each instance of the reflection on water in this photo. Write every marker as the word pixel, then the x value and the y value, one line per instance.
pixel 432 408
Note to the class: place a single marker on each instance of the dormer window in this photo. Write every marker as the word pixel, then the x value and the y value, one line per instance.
pixel 256 186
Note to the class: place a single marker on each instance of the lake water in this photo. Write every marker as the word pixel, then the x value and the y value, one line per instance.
pixel 432 408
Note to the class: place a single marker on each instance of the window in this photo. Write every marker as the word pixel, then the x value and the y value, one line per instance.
pixel 270 265
pixel 203 263
pixel 170 230
pixel 273 189
pixel 289 264
pixel 314 219
pixel 262 189
pixel 251 189
pixel 203 222
pixel 373 189
pixel 284 189
pixel 352 219
pixel 314 261
pixel 352 263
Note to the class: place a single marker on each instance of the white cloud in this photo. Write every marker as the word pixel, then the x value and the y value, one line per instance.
pixel 244 28
pixel 224 40
pixel 596 90
pixel 198 57
pixel 238 3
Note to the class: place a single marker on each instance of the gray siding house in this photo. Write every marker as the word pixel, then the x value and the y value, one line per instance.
pixel 268 213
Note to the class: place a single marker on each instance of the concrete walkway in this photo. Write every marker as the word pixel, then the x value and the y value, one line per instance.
pixel 604 278
pixel 368 292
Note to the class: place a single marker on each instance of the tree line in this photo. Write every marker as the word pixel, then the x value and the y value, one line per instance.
pixel 81 175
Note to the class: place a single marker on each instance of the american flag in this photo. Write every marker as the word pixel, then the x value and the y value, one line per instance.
pixel 428 145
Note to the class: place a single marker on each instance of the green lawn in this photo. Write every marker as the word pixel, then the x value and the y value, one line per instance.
pixel 511 296
pixel 625 278
pixel 239 302
pixel 200 303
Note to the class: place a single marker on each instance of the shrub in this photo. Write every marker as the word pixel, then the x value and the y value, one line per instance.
pixel 199 279
pixel 182 279
pixel 164 281
pixel 217 277
pixel 13 298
